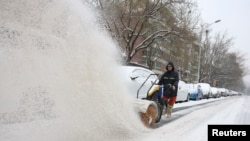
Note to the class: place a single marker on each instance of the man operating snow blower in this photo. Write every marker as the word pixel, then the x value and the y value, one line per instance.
pixel 169 80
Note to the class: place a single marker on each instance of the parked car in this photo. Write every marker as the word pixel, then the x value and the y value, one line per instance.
pixel 215 92
pixel 182 92
pixel 138 80
pixel 222 91
pixel 195 91
pixel 206 89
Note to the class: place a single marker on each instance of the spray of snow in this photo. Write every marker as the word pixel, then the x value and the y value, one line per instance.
pixel 58 75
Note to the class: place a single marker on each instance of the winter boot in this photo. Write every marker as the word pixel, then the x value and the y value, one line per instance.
pixel 169 111
pixel 165 108
pixel 165 111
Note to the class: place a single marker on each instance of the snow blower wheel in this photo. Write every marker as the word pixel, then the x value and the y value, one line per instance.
pixel 149 118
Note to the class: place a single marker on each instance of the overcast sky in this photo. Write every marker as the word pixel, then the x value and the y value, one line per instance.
pixel 234 20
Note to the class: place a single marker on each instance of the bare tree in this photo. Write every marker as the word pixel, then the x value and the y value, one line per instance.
pixel 213 55
pixel 221 65
pixel 138 25
pixel 232 71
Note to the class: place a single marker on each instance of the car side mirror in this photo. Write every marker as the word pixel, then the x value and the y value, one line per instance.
pixel 133 77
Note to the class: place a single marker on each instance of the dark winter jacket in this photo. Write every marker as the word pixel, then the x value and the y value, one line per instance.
pixel 169 77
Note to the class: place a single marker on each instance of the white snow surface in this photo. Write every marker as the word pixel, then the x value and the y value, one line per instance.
pixel 188 124
pixel 194 124
pixel 59 82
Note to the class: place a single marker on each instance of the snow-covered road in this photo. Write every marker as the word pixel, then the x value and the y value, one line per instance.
pixel 187 124
pixel 192 124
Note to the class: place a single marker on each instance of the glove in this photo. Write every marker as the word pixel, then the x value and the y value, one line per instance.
pixel 173 88
pixel 169 86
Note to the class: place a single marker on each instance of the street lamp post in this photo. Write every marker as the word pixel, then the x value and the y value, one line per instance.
pixel 199 55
